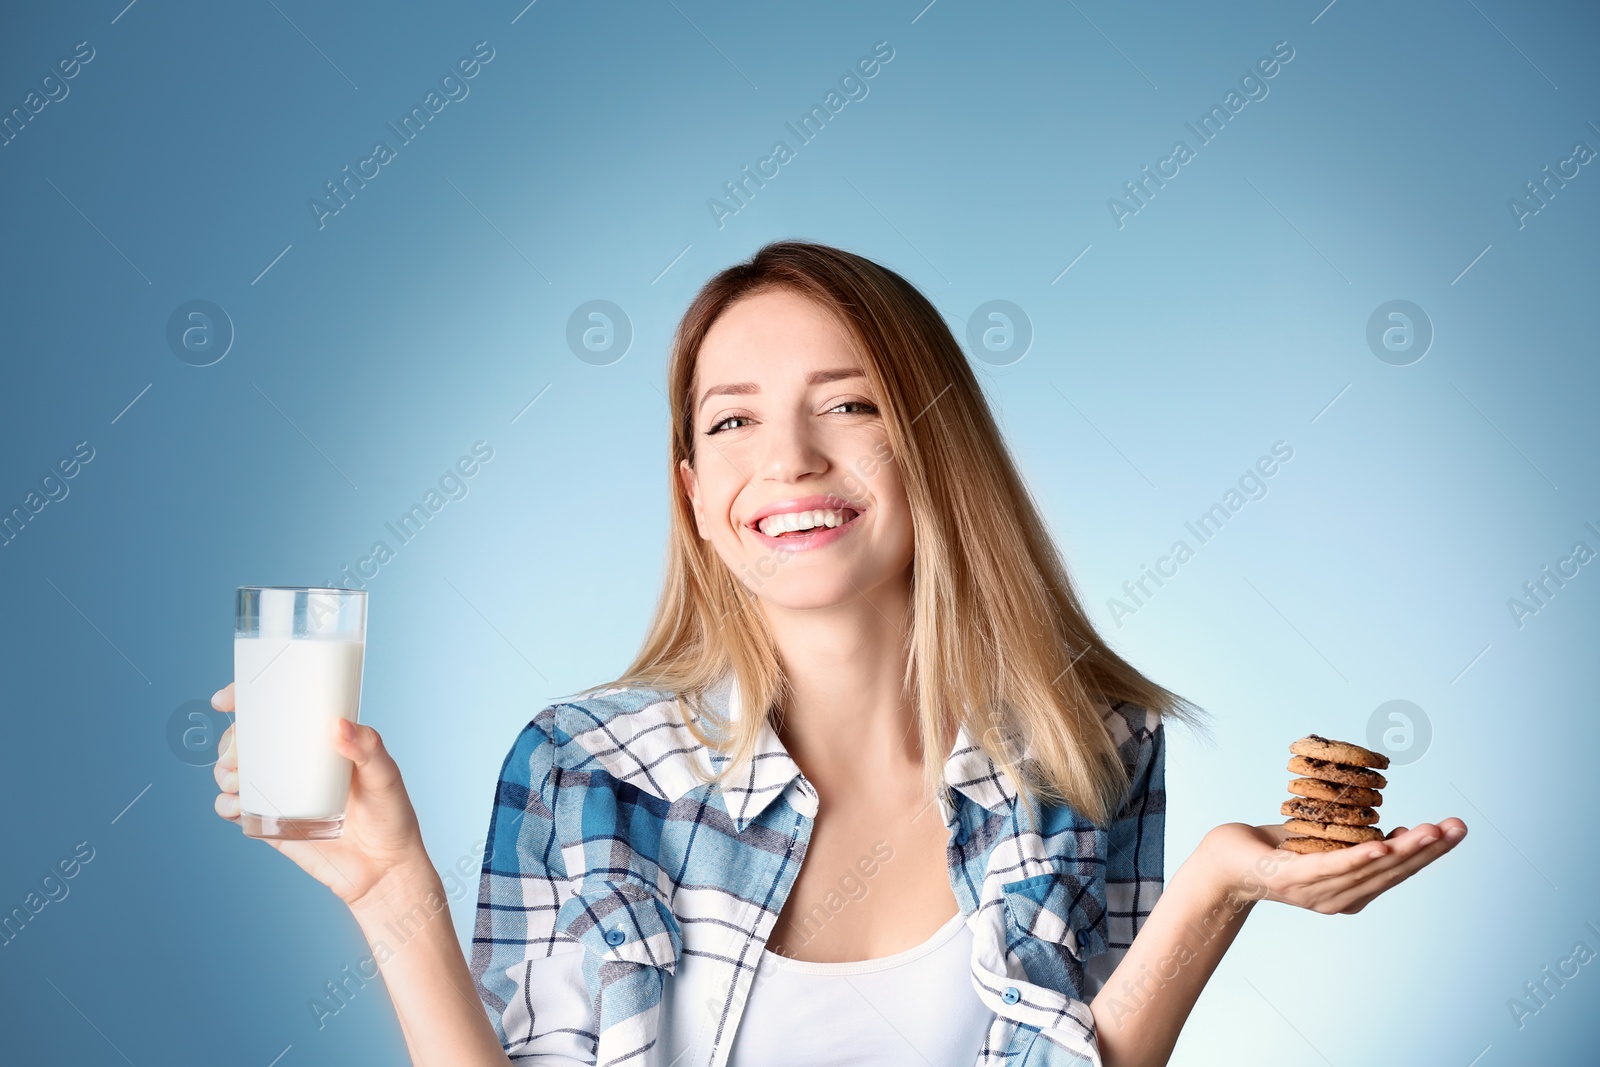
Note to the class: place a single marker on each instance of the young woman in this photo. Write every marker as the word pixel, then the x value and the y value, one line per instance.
pixel 874 790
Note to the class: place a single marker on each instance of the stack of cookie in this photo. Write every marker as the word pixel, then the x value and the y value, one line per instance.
pixel 1335 797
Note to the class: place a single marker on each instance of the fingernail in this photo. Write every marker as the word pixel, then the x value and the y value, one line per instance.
pixel 1428 840
pixel 216 697
pixel 227 745
pixel 1455 833
pixel 347 730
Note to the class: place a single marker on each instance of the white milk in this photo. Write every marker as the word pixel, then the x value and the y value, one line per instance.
pixel 287 694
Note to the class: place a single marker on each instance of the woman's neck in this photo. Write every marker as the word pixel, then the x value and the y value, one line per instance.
pixel 844 665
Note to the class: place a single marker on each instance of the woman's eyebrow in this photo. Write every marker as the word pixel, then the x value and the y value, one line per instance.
pixel 816 377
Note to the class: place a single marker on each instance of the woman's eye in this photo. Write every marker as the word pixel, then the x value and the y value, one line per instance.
pixel 862 407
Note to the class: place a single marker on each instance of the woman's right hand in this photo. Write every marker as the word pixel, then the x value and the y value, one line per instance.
pixel 381 846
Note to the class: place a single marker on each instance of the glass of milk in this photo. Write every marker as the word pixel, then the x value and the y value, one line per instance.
pixel 297 655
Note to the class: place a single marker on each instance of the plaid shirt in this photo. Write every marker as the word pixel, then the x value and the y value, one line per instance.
pixel 607 861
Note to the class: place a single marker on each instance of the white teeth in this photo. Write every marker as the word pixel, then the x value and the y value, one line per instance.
pixel 773 525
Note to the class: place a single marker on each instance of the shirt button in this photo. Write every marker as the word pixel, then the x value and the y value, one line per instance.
pixel 615 937
pixel 1011 996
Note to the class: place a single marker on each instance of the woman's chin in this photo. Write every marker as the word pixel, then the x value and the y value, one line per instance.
pixel 810 595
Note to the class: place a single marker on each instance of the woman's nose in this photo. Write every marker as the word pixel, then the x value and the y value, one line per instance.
pixel 792 452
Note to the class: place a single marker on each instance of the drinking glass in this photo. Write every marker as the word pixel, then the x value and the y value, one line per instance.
pixel 297 659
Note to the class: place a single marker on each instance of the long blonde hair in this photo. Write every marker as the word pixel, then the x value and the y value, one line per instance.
pixel 998 641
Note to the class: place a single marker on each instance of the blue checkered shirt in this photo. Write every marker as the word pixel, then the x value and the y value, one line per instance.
pixel 608 860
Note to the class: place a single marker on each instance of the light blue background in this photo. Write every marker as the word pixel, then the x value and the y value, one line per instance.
pixel 1228 314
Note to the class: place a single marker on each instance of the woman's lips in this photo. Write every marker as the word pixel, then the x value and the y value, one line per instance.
pixel 813 502
pixel 814 538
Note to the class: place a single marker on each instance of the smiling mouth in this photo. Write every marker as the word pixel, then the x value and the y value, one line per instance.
pixel 798 523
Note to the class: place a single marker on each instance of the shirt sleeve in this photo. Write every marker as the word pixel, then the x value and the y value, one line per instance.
pixel 1135 872
pixel 529 974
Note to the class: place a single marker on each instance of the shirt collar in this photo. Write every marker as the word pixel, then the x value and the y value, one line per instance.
pixel 771 771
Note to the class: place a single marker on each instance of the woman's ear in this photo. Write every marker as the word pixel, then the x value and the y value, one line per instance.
pixel 691 489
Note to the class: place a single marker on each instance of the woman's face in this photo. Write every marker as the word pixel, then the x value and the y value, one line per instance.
pixel 787 434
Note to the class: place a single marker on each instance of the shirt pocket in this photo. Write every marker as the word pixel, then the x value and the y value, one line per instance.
pixel 623 922
pixel 1056 921
pixel 1026 967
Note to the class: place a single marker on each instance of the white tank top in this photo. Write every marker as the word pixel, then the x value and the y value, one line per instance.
pixel 914 1007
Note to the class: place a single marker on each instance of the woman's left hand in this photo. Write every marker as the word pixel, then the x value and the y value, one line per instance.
pixel 1249 865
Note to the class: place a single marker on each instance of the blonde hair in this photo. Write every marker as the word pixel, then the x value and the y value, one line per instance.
pixel 999 640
